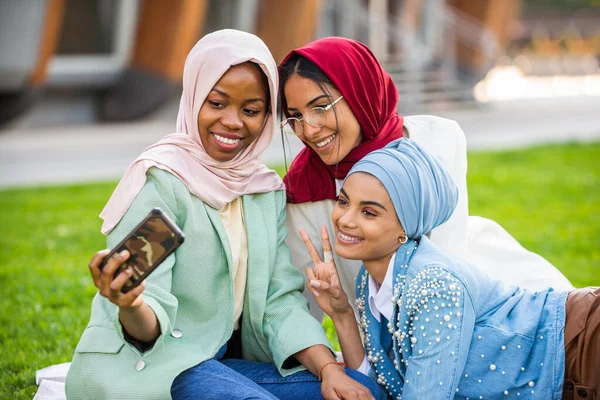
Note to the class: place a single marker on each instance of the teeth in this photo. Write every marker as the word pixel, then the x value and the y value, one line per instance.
pixel 226 140
pixel 326 141
pixel 347 238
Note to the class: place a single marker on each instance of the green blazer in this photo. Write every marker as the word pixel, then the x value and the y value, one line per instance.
pixel 192 296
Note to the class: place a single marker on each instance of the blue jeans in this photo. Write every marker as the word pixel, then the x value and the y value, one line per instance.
pixel 241 379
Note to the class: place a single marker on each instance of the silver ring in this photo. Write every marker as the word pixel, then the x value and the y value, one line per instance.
pixel 327 256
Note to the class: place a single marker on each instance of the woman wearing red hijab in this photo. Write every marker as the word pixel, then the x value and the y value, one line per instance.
pixel 342 104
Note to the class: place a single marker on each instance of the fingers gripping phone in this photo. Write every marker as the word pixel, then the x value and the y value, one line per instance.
pixel 149 243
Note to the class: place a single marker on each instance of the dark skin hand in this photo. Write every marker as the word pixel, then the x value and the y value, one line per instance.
pixel 137 317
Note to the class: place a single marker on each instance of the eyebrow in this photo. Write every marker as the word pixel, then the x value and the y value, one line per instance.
pixel 311 102
pixel 364 203
pixel 222 93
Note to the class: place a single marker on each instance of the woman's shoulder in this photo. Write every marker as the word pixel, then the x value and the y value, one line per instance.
pixel 163 176
pixel 430 262
pixel 426 122
pixel 319 205
pixel 429 253
pixel 273 195
pixel 430 257
pixel 271 200
pixel 170 187
pixel 442 137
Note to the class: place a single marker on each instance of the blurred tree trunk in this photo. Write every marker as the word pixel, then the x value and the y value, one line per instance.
pixel 286 25
pixel 55 11
pixel 167 31
pixel 494 15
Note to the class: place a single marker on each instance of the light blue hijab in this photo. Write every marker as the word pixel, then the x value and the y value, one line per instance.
pixel 421 188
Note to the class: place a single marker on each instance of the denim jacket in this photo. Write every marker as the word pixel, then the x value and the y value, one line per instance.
pixel 457 333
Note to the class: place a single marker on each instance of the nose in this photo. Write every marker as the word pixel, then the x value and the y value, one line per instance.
pixel 231 119
pixel 308 130
pixel 347 220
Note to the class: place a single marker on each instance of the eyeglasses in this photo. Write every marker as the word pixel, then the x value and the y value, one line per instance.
pixel 315 117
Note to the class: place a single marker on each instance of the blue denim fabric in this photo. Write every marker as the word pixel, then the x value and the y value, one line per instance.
pixel 241 379
pixel 459 334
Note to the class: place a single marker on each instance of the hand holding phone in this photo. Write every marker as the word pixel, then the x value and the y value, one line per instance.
pixel 110 286
pixel 148 244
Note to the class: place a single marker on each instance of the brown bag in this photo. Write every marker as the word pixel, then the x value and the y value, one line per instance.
pixel 582 345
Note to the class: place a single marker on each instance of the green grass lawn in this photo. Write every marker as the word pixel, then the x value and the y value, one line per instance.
pixel 547 197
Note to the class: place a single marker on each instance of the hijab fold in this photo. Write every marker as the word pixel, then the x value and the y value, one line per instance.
pixel 421 188
pixel 371 95
pixel 214 182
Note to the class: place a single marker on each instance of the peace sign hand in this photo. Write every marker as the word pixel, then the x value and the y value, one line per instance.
pixel 323 279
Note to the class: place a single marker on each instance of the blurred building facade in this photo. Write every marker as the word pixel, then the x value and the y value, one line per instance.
pixel 127 56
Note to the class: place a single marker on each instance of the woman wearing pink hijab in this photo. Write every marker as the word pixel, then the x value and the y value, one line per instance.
pixel 222 317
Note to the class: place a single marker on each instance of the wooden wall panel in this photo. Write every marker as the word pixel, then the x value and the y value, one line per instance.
pixel 495 15
pixel 55 11
pixel 287 24
pixel 167 30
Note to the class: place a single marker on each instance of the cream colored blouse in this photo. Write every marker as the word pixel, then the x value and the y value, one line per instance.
pixel 232 215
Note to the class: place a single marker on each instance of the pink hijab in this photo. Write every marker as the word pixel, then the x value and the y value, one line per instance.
pixel 182 154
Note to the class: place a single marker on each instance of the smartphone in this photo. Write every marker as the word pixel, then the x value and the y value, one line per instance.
pixel 149 243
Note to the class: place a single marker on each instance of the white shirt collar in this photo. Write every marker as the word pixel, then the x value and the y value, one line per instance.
pixel 380 297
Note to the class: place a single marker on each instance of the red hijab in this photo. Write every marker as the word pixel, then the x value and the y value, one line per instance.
pixel 371 95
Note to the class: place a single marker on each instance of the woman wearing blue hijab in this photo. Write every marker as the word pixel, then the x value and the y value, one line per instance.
pixel 433 325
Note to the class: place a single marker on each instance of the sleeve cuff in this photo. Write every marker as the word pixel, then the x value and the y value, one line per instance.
pixel 365 367
pixel 163 322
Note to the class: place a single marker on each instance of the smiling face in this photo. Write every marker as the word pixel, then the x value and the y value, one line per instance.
pixel 365 221
pixel 234 112
pixel 334 140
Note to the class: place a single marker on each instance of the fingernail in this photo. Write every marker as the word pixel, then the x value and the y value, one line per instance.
pixel 123 253
pixel 129 271
pixel 315 284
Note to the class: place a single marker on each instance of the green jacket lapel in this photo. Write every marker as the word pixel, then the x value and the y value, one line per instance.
pixel 259 264
pixel 217 223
